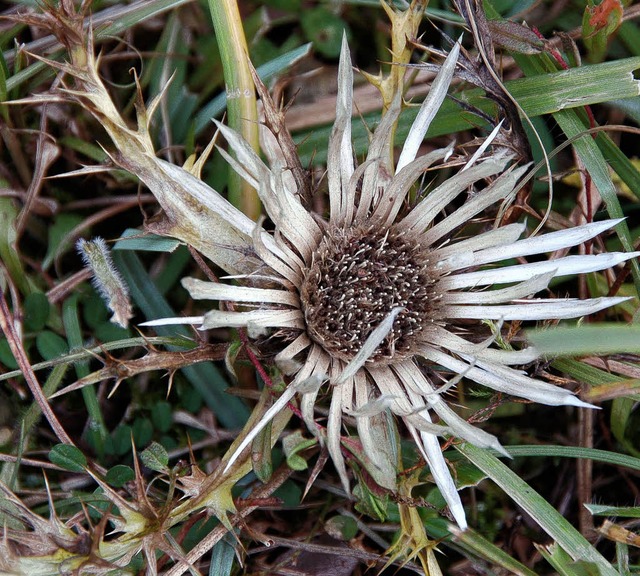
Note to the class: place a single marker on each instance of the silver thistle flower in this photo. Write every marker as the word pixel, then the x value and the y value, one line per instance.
pixel 378 303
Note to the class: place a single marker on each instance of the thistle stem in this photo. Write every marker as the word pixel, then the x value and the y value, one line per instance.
pixel 242 111
pixel 404 28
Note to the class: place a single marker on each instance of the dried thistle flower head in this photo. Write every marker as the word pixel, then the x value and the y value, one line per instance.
pixel 382 302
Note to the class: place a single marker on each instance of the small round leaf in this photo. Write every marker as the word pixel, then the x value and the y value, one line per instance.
pixel 324 29
pixel 142 431
pixel 68 457
pixel 119 475
pixel 155 457
pixel 51 345
pixel 341 527
pixel 6 356
pixel 119 443
pixel 161 416
pixel 36 311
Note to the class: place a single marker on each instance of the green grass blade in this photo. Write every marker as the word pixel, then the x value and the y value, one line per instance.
pixel 596 164
pixel 591 339
pixel 622 165
pixel 137 240
pixel 51 384
pixel 585 373
pixel 564 564
pixel 489 552
pixel 603 456
pixel 546 516
pixel 576 87
pixel 223 555
pixel 601 510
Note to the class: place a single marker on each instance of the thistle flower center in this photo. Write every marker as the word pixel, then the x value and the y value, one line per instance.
pixel 358 276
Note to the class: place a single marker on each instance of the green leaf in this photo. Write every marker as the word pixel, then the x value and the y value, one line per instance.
pixel 9 256
pixel 585 373
pixel 155 457
pixel 324 29
pixel 161 416
pixel 6 356
pixel 287 5
pixel 341 527
pixel 94 310
pixel 88 149
pixel 4 72
pixel 292 445
pixel 621 411
pixel 612 458
pixel 217 106
pixel 60 239
pixel 142 431
pixel 542 93
pixel 119 475
pixel 598 24
pixel 261 454
pixel 466 474
pixel 107 24
pixel 602 510
pixel 574 123
pixel 222 556
pixel 377 507
pixel 96 433
pixel 51 345
pixel 484 548
pixel 119 443
pixel 591 339
pixel 51 384
pixel 108 332
pixel 133 239
pixel 36 311
pixel 290 493
pixel 565 564
pixel 176 266
pixel 68 457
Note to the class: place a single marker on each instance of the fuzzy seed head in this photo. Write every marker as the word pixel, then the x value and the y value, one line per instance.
pixel 107 279
pixel 358 276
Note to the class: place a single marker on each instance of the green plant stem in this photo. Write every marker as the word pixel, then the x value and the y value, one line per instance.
pixel 29 420
pixel 97 429
pixel 242 112
pixel 50 386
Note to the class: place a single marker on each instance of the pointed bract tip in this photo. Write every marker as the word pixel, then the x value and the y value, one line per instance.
pixel 500 449
pixel 192 320
pixel 459 516
pixel 575 401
